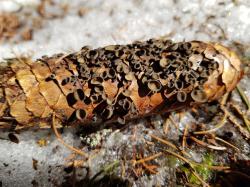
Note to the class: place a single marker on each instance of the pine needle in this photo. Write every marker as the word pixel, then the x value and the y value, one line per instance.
pixel 59 137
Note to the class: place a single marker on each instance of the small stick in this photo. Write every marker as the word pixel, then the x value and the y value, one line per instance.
pixel 200 179
pixel 207 145
pixel 123 171
pixel 173 121
pixel 147 158
pixel 184 137
pixel 178 156
pixel 225 142
pixel 243 116
pixel 218 126
pixel 235 122
pixel 191 163
pixel 164 141
pixel 224 99
pixel 149 168
pixel 243 96
pixel 218 168
pixel 59 137
pixel 169 144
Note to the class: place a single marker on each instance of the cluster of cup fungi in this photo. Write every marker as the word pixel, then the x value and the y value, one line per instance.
pixel 116 83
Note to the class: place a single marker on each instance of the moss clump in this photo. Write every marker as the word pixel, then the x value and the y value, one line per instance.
pixel 204 172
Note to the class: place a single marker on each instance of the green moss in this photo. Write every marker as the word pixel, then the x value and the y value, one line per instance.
pixel 205 172
pixel 201 169
pixel 110 168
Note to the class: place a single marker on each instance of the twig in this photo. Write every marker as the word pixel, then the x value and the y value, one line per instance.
pixel 179 156
pixel 173 121
pixel 207 145
pixel 184 139
pixel 218 168
pixel 243 96
pixel 149 168
pixel 163 141
pixel 76 163
pixel 218 126
pixel 225 142
pixel 59 137
pixel 169 144
pixel 246 121
pixel 123 171
pixel 147 158
pixel 234 121
pixel 199 178
pixel 224 99
pixel 243 116
pixel 191 163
